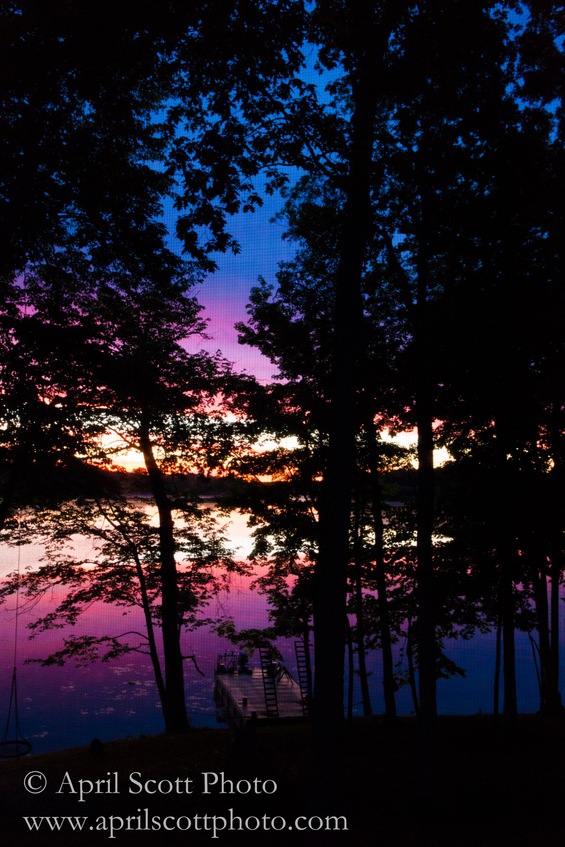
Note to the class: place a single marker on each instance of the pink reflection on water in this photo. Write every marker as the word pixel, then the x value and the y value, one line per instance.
pixel 67 706
pixel 61 707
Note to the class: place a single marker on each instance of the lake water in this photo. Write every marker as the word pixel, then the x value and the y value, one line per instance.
pixel 62 707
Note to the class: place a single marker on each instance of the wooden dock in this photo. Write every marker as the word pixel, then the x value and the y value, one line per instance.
pixel 242 695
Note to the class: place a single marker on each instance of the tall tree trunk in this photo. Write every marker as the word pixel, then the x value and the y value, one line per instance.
pixel 510 705
pixel 174 707
pixel 361 652
pixel 350 671
pixel 411 670
pixel 329 602
pixel 425 498
pixel 540 586
pixel 506 550
pixel 367 39
pixel 545 579
pixel 146 606
pixel 497 666
pixel 555 703
pixel 425 581
pixel 359 611
pixel 427 648
pixel 153 653
pixel 389 682
pixel 557 440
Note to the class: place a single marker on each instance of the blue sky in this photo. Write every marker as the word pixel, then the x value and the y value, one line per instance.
pixel 225 293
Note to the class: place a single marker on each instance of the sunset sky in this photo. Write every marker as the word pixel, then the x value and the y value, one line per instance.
pixel 225 294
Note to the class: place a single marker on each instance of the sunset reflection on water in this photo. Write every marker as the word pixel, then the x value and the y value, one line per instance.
pixel 62 707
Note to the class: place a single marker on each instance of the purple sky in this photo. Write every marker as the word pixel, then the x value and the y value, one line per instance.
pixel 225 294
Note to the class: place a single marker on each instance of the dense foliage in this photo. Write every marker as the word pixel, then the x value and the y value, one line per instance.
pixel 425 293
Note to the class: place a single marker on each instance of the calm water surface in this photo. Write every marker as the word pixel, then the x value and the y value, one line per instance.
pixel 61 707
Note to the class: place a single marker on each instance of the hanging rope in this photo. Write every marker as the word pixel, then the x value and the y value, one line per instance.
pixel 13 743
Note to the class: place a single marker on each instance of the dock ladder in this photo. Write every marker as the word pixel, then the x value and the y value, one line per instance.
pixel 303 676
pixel 269 683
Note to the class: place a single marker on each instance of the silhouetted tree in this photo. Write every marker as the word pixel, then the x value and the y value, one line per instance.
pixel 108 110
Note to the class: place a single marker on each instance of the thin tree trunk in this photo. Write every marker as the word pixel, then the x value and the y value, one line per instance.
pixel 359 612
pixel 506 550
pixel 425 503
pixel 539 585
pixel 425 581
pixel 361 652
pixel 555 701
pixel 426 594
pixel 350 672
pixel 389 682
pixel 368 42
pixel 510 705
pixel 547 612
pixel 331 569
pixel 411 671
pixel 537 664
pixel 176 720
pixel 497 667
pixel 153 653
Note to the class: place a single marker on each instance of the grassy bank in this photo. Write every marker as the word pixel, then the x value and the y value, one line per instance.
pixel 490 788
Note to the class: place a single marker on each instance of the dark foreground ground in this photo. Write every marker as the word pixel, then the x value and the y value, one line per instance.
pixel 490 789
